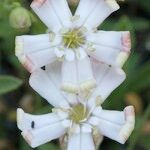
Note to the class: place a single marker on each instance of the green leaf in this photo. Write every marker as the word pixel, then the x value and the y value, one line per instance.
pixel 49 146
pixel 8 84
pixel 23 145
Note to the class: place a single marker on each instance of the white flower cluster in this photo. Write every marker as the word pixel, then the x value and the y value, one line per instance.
pixel 83 66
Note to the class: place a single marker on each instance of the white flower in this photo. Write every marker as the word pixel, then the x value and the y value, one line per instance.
pixel 77 117
pixel 71 39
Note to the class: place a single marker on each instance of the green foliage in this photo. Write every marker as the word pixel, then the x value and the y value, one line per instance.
pixel 133 16
pixel 49 147
pixel 9 83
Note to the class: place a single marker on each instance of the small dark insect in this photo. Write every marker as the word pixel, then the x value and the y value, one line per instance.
pixel 32 124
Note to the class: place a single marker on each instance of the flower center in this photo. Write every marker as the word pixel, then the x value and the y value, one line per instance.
pixel 73 38
pixel 78 113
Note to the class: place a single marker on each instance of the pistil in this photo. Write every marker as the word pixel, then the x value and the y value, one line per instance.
pixel 78 113
pixel 73 39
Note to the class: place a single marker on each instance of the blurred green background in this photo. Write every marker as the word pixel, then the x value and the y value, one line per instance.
pixel 134 15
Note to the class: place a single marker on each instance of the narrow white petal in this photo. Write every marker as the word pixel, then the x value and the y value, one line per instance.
pixel 42 84
pixel 87 141
pixel 85 74
pixel 35 51
pixel 93 13
pixel 113 39
pixel 113 116
pixel 86 128
pixel 108 128
pixel 54 72
pixel 81 53
pixel 69 77
pixel 111 128
pixel 74 142
pixel 106 55
pixel 69 55
pixel 111 47
pixel 43 135
pixel 81 141
pixel 55 14
pixel 99 69
pixel 128 126
pixel 109 79
pixel 27 121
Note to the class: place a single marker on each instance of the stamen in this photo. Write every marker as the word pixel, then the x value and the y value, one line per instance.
pixel 78 113
pixel 73 38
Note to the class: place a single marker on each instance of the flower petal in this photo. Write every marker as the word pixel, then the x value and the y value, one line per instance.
pixel 78 141
pixel 77 76
pixel 93 13
pixel 36 51
pixel 69 55
pixel 129 124
pixel 113 130
pixel 108 79
pixel 42 84
pixel 43 135
pixel 81 53
pixel 55 14
pixel 69 77
pixel 54 72
pixel 111 115
pixel 110 46
pixel 27 121
pixel 85 74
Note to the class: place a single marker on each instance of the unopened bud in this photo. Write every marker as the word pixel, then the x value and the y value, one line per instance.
pixel 20 18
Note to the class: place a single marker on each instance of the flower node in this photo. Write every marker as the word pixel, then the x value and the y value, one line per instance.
pixel 73 38
pixel 78 113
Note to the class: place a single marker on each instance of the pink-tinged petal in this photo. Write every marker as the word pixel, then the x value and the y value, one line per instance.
pixel 115 125
pixel 108 79
pixel 93 13
pixel 55 14
pixel 35 51
pixel 27 63
pixel 112 48
pixel 37 137
pixel 128 127
pixel 126 41
pixel 42 84
pixel 27 121
pixel 39 3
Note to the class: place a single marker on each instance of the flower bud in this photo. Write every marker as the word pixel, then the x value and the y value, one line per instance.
pixel 20 18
